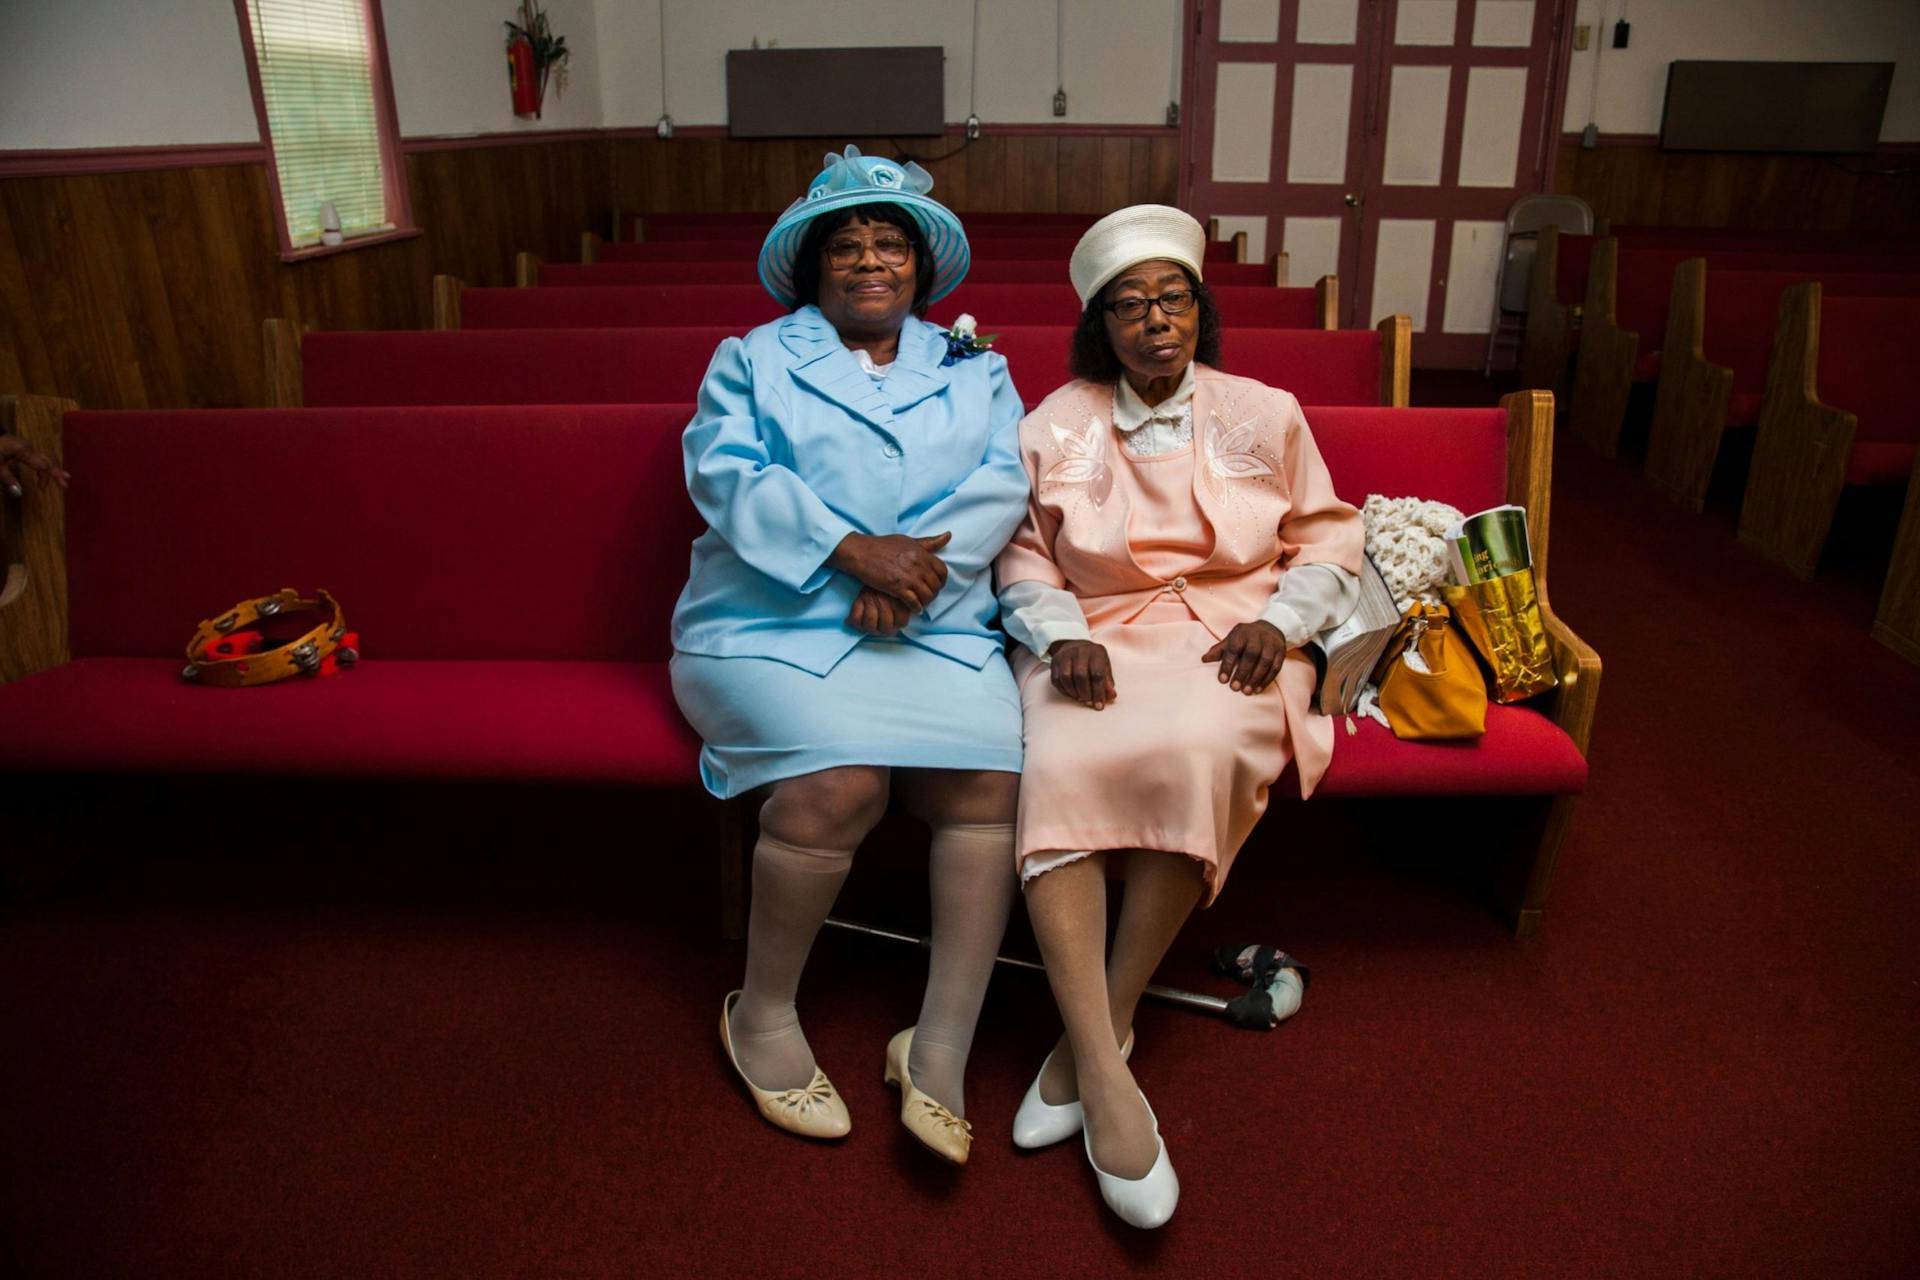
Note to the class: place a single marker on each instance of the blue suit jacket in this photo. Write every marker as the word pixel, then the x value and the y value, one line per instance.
pixel 793 446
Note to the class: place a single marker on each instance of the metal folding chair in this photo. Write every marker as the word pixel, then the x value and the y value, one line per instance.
pixel 1524 220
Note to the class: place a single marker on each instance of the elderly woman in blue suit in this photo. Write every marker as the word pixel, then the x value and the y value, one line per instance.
pixel 835 644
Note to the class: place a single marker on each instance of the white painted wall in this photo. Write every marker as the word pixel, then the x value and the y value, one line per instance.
pixel 128 73
pixel 1119 54
pixel 1633 81
pixel 449 64
pixel 123 73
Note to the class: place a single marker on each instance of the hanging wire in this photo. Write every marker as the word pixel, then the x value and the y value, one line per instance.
pixel 1060 45
pixel 1599 43
pixel 663 57
pixel 973 64
pixel 1173 78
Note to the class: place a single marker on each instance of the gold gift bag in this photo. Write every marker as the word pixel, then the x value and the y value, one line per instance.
pixel 1502 618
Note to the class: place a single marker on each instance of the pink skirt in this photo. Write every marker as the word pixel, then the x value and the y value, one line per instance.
pixel 1177 762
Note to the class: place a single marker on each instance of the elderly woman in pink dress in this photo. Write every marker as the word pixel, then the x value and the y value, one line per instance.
pixel 1182 541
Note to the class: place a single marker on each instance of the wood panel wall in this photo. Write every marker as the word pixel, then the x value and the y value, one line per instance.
pixel 1638 183
pixel 998 173
pixel 146 290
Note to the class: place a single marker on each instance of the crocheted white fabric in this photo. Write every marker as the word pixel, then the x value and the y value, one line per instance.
pixel 1407 538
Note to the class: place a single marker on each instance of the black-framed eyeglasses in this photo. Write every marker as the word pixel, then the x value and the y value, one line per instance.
pixel 892 251
pixel 1173 302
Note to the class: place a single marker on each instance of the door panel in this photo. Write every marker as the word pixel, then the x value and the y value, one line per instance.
pixel 1380 139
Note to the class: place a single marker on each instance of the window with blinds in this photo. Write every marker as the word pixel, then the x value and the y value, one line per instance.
pixel 317 73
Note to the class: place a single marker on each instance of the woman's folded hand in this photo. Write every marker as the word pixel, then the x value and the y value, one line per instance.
pixel 1249 657
pixel 1082 671
pixel 894 564
pixel 878 614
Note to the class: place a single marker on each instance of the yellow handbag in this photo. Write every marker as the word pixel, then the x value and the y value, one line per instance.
pixel 1430 685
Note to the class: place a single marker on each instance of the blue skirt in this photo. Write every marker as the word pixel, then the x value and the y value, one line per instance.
pixel 886 703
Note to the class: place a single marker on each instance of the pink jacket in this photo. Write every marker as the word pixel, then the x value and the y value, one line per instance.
pixel 1258 481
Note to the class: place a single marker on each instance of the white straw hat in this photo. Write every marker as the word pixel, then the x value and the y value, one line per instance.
pixel 1138 233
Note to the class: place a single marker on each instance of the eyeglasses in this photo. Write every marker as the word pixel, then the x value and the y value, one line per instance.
pixel 1173 302
pixel 892 251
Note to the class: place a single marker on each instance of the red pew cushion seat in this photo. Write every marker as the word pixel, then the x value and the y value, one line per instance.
pixel 612 722
pixel 1523 753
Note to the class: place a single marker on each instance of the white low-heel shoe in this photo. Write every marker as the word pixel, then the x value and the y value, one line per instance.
pixel 1039 1123
pixel 1141 1202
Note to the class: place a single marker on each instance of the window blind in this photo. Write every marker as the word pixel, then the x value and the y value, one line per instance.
pixel 316 76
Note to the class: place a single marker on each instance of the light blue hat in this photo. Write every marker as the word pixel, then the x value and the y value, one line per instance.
pixel 852 179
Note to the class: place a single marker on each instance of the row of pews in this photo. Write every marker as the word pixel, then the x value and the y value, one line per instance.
pixel 1795 344
pixel 499 504
pixel 607 331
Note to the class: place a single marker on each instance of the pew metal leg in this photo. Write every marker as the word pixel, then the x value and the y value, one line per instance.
pixel 1172 995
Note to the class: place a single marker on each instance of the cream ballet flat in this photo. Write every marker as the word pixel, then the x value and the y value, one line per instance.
pixel 816 1111
pixel 1141 1202
pixel 1038 1123
pixel 937 1129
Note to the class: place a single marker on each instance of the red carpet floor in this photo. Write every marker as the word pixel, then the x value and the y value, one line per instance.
pixel 473 1035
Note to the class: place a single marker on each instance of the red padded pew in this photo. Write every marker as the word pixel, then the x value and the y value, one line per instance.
pixel 1560 282
pixel 707 226
pixel 1240 306
pixel 743 271
pixel 579 307
pixel 510 571
pixel 1719 331
pixel 1624 319
pixel 665 365
pixel 1841 407
pixel 985 248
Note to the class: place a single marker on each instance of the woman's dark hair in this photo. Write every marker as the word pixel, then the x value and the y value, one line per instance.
pixel 806 261
pixel 1092 356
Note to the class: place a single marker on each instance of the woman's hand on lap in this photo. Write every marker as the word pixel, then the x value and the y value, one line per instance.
pixel 1249 657
pixel 894 564
pixel 878 614
pixel 1082 671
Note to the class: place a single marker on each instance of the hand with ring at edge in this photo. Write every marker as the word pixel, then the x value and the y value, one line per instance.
pixel 1249 656
pixel 1082 671
pixel 15 452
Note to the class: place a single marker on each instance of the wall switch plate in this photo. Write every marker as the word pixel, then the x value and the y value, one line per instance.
pixel 1060 102
pixel 1582 37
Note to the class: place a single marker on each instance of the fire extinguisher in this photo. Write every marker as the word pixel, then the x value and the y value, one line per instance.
pixel 523 78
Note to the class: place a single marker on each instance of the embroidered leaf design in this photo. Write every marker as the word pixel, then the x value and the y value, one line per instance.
pixel 1230 453
pixel 1072 471
pixel 1085 460
pixel 1101 486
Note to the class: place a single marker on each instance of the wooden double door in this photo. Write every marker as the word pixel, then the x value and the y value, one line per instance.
pixel 1382 141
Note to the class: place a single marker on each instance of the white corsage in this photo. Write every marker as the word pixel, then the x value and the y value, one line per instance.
pixel 964 341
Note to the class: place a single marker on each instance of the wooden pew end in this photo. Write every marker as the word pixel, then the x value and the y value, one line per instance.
pixel 280 348
pixel 446 301
pixel 1396 361
pixel 33 540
